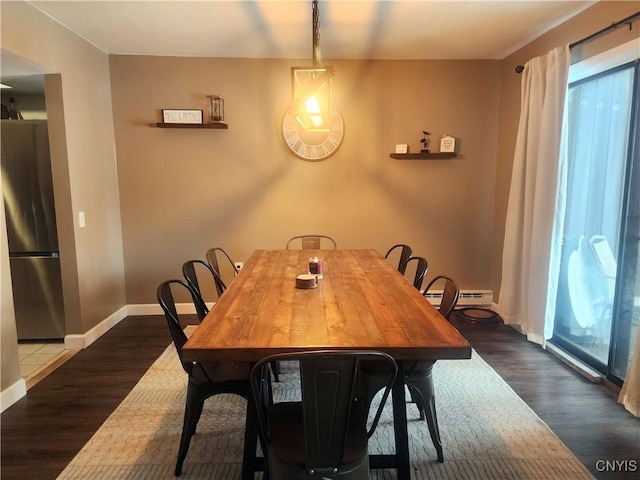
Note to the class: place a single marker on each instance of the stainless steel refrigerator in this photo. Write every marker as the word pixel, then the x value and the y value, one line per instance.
pixel 31 229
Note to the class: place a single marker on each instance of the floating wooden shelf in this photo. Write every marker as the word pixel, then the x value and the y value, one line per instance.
pixel 193 125
pixel 423 156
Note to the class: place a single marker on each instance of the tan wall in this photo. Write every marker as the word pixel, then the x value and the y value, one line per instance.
pixel 599 16
pixel 90 170
pixel 60 173
pixel 184 190
pixel 8 336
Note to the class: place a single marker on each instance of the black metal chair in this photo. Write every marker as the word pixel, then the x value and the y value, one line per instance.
pixel 405 254
pixel 418 267
pixel 450 294
pixel 205 379
pixel 312 242
pixel 229 266
pixel 191 270
pixel 325 435
pixel 418 374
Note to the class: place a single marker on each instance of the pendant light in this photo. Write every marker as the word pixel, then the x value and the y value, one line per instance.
pixel 311 86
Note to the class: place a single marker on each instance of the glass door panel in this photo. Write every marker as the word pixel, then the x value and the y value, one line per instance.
pixel 599 116
pixel 627 311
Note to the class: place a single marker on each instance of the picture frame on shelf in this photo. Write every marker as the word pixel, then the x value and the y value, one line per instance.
pixel 182 116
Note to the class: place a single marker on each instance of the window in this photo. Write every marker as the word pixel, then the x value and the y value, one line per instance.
pixel 598 301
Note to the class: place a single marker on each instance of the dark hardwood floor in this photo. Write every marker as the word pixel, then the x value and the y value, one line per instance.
pixel 42 432
pixel 584 415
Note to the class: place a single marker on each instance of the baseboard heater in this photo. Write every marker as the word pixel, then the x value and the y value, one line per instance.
pixel 468 298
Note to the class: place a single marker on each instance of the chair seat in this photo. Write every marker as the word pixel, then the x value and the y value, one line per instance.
pixel 287 434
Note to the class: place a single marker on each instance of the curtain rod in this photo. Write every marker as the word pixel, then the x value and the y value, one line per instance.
pixel 625 21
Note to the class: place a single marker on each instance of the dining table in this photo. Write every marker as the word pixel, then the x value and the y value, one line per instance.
pixel 361 302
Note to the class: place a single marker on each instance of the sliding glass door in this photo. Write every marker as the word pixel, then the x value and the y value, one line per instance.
pixel 598 301
pixel 627 305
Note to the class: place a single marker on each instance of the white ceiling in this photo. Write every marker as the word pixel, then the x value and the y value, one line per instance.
pixel 349 29
pixel 363 29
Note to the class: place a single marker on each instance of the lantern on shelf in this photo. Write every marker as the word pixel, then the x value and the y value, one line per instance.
pixel 216 108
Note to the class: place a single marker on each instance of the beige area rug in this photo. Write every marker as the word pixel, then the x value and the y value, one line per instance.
pixel 487 432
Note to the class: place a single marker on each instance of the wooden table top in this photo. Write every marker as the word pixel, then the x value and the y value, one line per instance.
pixel 362 302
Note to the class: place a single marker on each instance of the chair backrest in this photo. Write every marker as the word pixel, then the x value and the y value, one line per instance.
pixel 191 269
pixel 405 254
pixel 312 242
pixel 418 267
pixel 212 258
pixel 330 408
pixel 450 294
pixel 167 302
pixel 603 267
pixel 605 257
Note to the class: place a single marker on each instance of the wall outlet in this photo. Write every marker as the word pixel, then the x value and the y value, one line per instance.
pixel 238 265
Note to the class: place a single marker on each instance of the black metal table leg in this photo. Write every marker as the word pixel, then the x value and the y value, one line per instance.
pixel 400 459
pixel 250 441
pixel 400 425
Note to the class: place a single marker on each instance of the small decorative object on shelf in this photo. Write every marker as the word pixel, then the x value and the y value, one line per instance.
pixel 182 116
pixel 193 118
pixel 402 148
pixel 425 142
pixel 447 143
pixel 216 105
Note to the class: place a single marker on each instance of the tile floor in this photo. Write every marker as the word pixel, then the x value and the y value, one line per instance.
pixel 36 358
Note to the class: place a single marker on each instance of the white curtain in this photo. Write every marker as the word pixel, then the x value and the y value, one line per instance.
pixel 630 393
pixel 531 253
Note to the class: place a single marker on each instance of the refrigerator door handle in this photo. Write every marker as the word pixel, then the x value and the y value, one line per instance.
pixel 34 255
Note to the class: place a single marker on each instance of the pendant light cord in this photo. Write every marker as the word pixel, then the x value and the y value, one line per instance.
pixel 316 33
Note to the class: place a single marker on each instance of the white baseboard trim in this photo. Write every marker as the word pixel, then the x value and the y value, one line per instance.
pixel 146 309
pixel 83 340
pixel 12 394
pixel 155 309
pixel 80 341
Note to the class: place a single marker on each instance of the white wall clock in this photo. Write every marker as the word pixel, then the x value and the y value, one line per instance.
pixel 312 146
